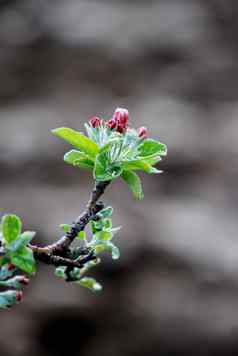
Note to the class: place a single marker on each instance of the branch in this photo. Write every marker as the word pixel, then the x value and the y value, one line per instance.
pixel 57 253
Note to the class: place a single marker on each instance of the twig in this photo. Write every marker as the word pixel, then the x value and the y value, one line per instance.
pixel 57 253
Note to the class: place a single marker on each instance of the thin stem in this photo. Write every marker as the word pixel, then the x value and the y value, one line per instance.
pixel 57 252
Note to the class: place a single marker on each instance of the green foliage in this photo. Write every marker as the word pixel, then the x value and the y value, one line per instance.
pixel 23 259
pixel 11 228
pixel 90 283
pixel 134 183
pixel 15 244
pixel 78 140
pixel 110 150
pixel 110 154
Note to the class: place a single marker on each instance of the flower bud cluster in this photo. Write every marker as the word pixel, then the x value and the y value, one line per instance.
pixel 118 122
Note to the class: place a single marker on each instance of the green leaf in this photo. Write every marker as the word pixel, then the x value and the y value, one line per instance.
pixel 11 227
pixel 105 213
pixel 23 240
pixel 65 227
pixel 151 147
pixel 134 183
pixel 60 271
pixel 78 159
pixel 136 165
pixel 90 283
pixel 104 235
pixel 106 223
pixel 104 170
pixel 81 235
pixel 78 140
pixel 24 260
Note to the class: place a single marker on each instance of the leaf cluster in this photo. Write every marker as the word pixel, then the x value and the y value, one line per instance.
pixel 109 154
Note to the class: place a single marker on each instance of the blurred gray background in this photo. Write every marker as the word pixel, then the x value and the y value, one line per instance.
pixel 174 65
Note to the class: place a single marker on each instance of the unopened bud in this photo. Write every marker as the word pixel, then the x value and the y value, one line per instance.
pixel 121 116
pixel 121 128
pixel 95 121
pixel 11 267
pixel 24 281
pixel 19 295
pixel 142 132
pixel 111 124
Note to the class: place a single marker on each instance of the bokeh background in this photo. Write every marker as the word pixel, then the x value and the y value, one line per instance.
pixel 174 65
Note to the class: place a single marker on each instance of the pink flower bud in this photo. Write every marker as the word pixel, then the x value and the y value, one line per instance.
pixel 11 267
pixel 24 281
pixel 111 124
pixel 121 128
pixel 19 295
pixel 95 121
pixel 121 116
pixel 142 132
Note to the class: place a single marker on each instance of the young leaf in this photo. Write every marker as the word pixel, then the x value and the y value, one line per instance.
pixel 104 235
pixel 24 260
pixel 65 227
pixel 104 170
pixel 151 147
pixel 78 140
pixel 105 213
pixel 136 165
pixel 23 240
pixel 81 235
pixel 8 298
pixel 14 282
pixel 134 183
pixel 90 283
pixel 78 159
pixel 60 271
pixel 11 228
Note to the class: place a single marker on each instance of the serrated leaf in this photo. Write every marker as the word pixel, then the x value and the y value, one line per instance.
pixel 24 260
pixel 78 159
pixel 90 283
pixel 78 140
pixel 150 147
pixel 65 227
pixel 23 240
pixel 11 227
pixel 134 183
pixel 105 213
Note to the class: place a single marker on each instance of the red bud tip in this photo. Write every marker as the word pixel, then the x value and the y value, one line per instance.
pixel 121 128
pixel 19 295
pixel 121 116
pixel 142 132
pixel 111 124
pixel 95 121
pixel 11 267
pixel 24 281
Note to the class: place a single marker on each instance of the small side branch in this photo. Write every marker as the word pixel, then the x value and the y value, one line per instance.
pixel 58 252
